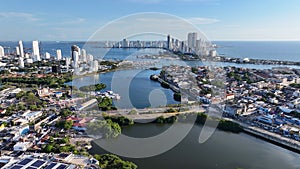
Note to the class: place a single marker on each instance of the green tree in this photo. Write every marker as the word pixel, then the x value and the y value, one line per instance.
pixel 105 104
pixel 65 124
pixel 107 128
pixel 177 97
pixel 31 99
pixel 110 161
pixel 48 148
pixel 66 112
pixel 51 139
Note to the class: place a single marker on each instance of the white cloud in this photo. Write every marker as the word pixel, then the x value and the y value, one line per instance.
pixel 22 15
pixel 202 21
pixel 75 21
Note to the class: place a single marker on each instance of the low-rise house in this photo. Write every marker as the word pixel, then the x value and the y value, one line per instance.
pixel 229 96
pixel 2 111
pixel 22 146
pixel 296 93
pixel 234 110
pixel 273 100
pixel 267 119
pixel 32 116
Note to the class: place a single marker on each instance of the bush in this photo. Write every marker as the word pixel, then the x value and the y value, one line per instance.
pixel 121 120
pixel 65 124
pixel 110 161
pixel 165 85
pixel 107 128
pixel 177 97
pixel 162 120
pixel 105 104
pixel 226 125
pixel 171 110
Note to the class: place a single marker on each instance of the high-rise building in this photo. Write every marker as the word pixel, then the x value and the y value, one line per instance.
pixel 96 65
pixel 213 53
pixel 1 51
pixel 18 51
pixel 125 43
pixel 21 49
pixel 177 43
pixel 75 59
pixel 21 62
pixel 47 55
pixel 83 55
pixel 36 50
pixel 168 42
pixel 89 58
pixel 74 48
pixel 93 66
pixel 58 54
pixel 192 40
pixel 199 47
pixel 68 62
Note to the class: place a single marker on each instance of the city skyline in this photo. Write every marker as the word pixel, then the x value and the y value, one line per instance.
pixel 218 19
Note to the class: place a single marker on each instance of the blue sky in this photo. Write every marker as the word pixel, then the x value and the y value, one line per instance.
pixel 218 19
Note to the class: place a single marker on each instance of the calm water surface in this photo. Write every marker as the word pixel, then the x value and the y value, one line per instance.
pixel 222 151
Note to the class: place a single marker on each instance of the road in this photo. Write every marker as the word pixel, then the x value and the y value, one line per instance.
pixel 148 114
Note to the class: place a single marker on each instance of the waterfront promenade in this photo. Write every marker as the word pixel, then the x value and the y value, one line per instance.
pixel 270 136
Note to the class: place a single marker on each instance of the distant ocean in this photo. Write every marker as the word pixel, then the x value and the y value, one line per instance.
pixel 275 50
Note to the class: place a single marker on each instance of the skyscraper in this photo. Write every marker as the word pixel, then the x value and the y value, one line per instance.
pixel 125 43
pixel 68 61
pixel 74 48
pixel 192 40
pixel 21 49
pixel 18 51
pixel 1 51
pixel 89 58
pixel 21 62
pixel 58 54
pixel 47 55
pixel 76 59
pixel 83 55
pixel 199 47
pixel 36 50
pixel 168 42
pixel 93 66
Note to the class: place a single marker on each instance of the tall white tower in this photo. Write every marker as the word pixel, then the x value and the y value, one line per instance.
pixel 76 59
pixel 95 65
pixel 36 50
pixel 21 49
pixel 47 55
pixel 58 54
pixel 89 58
pixel 83 55
pixel 18 51
pixel 68 61
pixel 1 51
pixel 21 62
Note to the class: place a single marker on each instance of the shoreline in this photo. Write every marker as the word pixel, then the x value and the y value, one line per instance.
pixel 227 59
pixel 270 137
pixel 273 138
pixel 267 136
